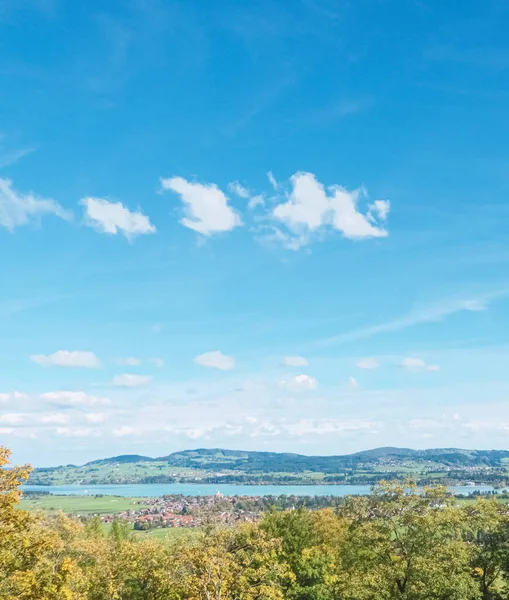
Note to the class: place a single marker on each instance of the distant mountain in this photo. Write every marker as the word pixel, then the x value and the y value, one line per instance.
pixel 218 459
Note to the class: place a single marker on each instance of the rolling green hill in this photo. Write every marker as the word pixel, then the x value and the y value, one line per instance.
pixel 236 466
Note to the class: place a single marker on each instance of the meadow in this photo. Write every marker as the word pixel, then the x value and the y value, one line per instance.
pixel 80 505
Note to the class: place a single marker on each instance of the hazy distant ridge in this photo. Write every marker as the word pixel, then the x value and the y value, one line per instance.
pixel 267 462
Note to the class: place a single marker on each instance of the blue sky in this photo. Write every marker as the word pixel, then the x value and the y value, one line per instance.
pixel 276 226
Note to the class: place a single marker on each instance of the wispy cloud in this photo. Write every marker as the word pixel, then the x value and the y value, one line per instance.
pixel 215 360
pixel 71 398
pixel 129 380
pixel 67 358
pixel 13 306
pixel 9 158
pixel 418 364
pixel 131 361
pixel 340 109
pixel 299 383
pixel 425 314
pixel 367 363
pixel 294 361
pixel 17 208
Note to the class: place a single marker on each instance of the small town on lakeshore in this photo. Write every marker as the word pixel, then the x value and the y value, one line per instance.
pixel 282 482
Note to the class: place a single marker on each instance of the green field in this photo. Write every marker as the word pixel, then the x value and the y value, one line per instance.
pixel 80 505
pixel 84 506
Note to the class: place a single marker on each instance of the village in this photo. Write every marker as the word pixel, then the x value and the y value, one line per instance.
pixel 188 511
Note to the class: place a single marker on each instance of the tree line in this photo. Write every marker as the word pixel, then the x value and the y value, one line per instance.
pixel 397 543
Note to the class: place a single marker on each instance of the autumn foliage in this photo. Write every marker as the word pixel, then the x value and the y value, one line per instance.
pixel 398 543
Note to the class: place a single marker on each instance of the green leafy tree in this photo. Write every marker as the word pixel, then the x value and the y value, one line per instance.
pixel 120 530
pixel 310 542
pixel 486 529
pixel 408 544
pixel 94 527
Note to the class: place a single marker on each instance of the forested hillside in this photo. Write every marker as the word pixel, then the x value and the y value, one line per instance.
pixel 214 459
pixel 446 465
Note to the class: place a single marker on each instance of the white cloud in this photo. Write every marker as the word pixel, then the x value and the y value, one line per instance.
pixel 114 217
pixel 7 397
pixel 157 362
pixel 426 424
pixel 310 208
pixel 215 360
pixel 57 418
pixel 425 314
pixel 307 204
pixel 380 209
pixel 207 208
pixel 12 418
pixel 490 425
pixel 417 364
pixel 205 432
pixel 239 190
pixel 257 427
pixel 95 417
pixel 128 380
pixel 295 361
pixel 367 363
pixel 194 433
pixel 255 201
pixel 66 358
pixel 299 383
pixel 236 188
pixel 6 430
pixel 13 157
pixel 352 384
pixel 124 430
pixel 347 219
pixel 273 181
pixel 324 426
pixel 130 361
pixel 77 431
pixel 18 209
pixel 67 398
pixel 273 236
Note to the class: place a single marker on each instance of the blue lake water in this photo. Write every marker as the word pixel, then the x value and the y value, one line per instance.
pixel 155 490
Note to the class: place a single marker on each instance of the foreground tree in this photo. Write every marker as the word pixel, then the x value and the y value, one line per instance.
pixel 33 561
pixel 486 530
pixel 311 546
pixel 231 564
pixel 400 543
pixel 405 543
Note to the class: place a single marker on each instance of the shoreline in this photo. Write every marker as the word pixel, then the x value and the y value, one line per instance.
pixel 157 490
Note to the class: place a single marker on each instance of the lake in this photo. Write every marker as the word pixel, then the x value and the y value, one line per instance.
pixel 154 490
